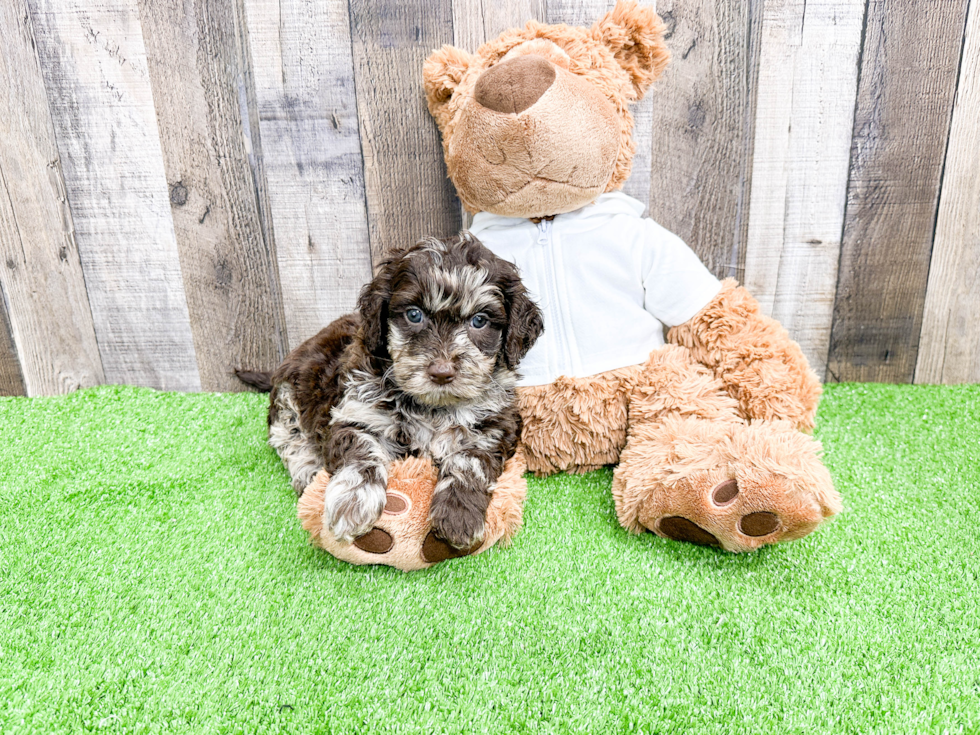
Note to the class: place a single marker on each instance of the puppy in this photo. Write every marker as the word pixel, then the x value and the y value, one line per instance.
pixel 427 366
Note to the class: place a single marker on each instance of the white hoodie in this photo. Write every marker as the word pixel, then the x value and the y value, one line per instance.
pixel 607 281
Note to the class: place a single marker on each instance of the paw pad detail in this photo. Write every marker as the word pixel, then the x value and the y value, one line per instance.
pixel 724 493
pixel 375 541
pixel 681 529
pixel 396 503
pixel 761 523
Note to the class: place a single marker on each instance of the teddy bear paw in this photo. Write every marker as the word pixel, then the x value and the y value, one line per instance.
pixel 767 485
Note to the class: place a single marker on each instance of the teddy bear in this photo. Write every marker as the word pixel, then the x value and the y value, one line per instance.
pixel 710 428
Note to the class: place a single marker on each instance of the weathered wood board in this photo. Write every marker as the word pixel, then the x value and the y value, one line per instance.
pixel 409 195
pixel 804 115
pixel 301 61
pixel 94 67
pixel 949 347
pixel 908 74
pixel 11 377
pixel 702 126
pixel 50 323
pixel 230 271
pixel 191 185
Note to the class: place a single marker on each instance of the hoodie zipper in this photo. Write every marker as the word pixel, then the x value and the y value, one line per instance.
pixel 546 241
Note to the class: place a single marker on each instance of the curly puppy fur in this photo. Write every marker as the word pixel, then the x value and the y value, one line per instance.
pixel 426 367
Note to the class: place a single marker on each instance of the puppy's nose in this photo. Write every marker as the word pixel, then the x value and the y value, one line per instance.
pixel 514 85
pixel 441 372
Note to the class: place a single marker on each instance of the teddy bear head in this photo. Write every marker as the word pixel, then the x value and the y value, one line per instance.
pixel 537 122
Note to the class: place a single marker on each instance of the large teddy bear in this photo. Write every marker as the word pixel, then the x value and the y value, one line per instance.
pixel 709 430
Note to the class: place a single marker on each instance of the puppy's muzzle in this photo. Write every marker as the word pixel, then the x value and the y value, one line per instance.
pixel 441 372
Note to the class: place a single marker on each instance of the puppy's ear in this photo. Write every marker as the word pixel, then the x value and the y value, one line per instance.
pixel 524 321
pixel 635 35
pixel 372 305
pixel 441 74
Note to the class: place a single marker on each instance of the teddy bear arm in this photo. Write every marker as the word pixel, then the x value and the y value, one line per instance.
pixel 753 355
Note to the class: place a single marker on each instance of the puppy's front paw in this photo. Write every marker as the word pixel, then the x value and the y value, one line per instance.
pixel 459 518
pixel 352 504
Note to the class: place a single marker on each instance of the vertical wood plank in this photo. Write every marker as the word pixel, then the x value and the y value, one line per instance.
pixel 805 111
pixel 230 271
pixel 909 69
pixel 11 376
pixel 702 125
pixel 477 21
pixel 409 194
pixel 94 66
pixel 49 323
pixel 307 119
pixel 586 13
pixel 949 349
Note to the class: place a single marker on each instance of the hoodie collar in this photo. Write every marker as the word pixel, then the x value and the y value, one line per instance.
pixel 606 205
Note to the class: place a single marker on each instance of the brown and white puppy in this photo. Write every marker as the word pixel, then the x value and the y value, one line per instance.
pixel 426 367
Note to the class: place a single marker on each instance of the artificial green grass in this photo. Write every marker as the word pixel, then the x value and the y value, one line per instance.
pixel 154 578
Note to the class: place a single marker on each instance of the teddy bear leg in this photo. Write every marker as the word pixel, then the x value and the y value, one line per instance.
pixel 694 470
pixel 753 356
pixel 576 424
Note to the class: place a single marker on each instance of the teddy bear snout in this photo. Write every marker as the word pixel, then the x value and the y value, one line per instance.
pixel 513 86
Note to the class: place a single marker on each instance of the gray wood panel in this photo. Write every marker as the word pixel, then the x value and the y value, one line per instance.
pixel 310 150
pixel 909 70
pixel 94 66
pixel 49 324
pixel 702 127
pixel 409 194
pixel 477 21
pixel 229 268
pixel 804 115
pixel 949 350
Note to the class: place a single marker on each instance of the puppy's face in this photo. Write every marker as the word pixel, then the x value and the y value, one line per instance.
pixel 456 320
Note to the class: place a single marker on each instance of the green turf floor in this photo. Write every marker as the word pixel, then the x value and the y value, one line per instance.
pixel 154 578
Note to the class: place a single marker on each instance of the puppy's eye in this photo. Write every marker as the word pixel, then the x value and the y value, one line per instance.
pixel 479 321
pixel 414 315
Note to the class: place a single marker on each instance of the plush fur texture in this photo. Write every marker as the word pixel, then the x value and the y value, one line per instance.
pixel 425 368
pixel 402 536
pixel 692 456
pixel 576 424
pixel 760 366
pixel 555 133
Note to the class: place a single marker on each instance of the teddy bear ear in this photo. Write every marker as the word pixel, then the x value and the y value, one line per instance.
pixel 441 74
pixel 635 35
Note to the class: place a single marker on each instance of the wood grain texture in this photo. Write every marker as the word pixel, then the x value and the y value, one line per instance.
pixel 586 13
pixel 477 21
pixel 949 347
pixel 307 125
pixel 804 117
pixel 11 376
pixel 94 66
pixel 702 125
pixel 47 319
pixel 908 78
pixel 230 271
pixel 409 194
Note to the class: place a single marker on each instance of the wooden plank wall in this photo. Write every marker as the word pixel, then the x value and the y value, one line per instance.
pixel 187 186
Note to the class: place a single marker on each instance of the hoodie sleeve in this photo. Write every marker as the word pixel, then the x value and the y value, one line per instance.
pixel 675 282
